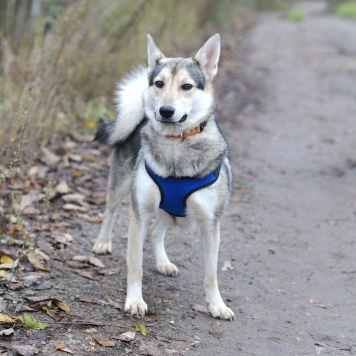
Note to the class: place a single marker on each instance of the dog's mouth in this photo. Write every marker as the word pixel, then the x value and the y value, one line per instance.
pixel 169 120
pixel 184 117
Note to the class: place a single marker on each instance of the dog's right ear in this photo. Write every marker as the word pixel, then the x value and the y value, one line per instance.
pixel 153 53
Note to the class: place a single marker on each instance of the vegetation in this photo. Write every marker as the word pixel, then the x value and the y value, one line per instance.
pixel 347 9
pixel 59 68
pixel 295 15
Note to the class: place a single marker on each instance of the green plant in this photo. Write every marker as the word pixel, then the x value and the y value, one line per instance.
pixel 32 323
pixel 295 15
pixel 347 9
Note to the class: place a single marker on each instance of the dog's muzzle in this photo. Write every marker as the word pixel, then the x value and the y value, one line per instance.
pixel 167 115
pixel 166 111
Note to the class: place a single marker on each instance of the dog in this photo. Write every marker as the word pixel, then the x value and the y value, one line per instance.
pixel 169 152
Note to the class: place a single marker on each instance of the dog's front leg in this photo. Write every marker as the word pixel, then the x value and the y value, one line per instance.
pixel 135 304
pixel 211 241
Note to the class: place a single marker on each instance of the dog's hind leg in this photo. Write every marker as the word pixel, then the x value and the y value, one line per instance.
pixel 117 190
pixel 163 264
pixel 211 240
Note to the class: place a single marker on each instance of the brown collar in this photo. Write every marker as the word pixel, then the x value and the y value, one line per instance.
pixel 192 132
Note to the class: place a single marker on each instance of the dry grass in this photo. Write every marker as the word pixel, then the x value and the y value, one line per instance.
pixel 63 80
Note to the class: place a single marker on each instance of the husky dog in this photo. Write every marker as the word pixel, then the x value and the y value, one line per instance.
pixel 171 155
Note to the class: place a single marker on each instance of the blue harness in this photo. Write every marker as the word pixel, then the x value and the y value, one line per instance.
pixel 175 191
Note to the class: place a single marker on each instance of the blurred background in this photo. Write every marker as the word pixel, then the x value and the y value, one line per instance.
pixel 60 59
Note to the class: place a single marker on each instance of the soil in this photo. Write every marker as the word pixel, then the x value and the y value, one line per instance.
pixel 287 107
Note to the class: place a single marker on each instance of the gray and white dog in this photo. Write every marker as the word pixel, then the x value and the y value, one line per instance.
pixel 171 155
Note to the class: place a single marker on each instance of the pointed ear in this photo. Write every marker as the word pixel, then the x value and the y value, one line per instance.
pixel 208 56
pixel 153 53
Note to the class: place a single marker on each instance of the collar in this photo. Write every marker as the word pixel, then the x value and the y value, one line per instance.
pixel 192 132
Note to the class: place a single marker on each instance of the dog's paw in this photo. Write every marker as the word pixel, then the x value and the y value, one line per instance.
pixel 102 247
pixel 221 311
pixel 168 269
pixel 136 307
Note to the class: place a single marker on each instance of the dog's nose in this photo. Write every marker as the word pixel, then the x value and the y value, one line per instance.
pixel 166 111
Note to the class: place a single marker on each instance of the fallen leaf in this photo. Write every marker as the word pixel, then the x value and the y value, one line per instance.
pixel 6 319
pixel 6 259
pixel 32 172
pixel 9 276
pixel 67 351
pixel 30 210
pixel 127 336
pixel 200 308
pixel 76 264
pixel 27 200
pixel 38 299
pixel 91 330
pixel 110 271
pixel 75 198
pixel 95 262
pixel 64 239
pixel 227 266
pixel 77 173
pixel 60 304
pixel 75 158
pixel 55 315
pixel 85 300
pixel 49 158
pixel 63 347
pixel 7 332
pixel 15 286
pixel 104 341
pixel 62 188
pixel 91 219
pixel 85 275
pixel 141 328
pixel 23 308
pixel 334 314
pixel 2 273
pixel 60 346
pixel 36 260
pixel 113 303
pixel 9 265
pixel 318 304
pixel 259 315
pixel 70 206
pixel 80 258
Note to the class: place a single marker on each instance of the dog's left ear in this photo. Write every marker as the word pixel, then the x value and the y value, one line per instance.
pixel 153 53
pixel 208 56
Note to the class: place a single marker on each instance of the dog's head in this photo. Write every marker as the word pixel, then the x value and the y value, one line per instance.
pixel 180 93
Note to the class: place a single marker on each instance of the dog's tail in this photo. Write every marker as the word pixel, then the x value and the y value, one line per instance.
pixel 129 103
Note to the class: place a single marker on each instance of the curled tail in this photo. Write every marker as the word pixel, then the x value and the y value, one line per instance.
pixel 129 103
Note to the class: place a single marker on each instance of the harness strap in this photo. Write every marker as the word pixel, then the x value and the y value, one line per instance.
pixel 175 191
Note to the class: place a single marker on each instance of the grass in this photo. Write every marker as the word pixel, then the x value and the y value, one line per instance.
pixel 295 15
pixel 347 9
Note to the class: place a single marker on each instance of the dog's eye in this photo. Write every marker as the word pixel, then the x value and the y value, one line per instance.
pixel 159 84
pixel 187 86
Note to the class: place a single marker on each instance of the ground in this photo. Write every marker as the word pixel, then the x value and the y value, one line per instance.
pixel 287 107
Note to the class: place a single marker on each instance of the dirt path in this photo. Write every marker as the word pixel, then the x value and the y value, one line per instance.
pixel 288 109
pixel 295 146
